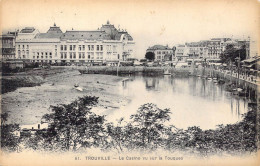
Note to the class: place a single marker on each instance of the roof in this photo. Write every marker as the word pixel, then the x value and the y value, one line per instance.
pixel 54 29
pixel 251 60
pixel 48 35
pixel 119 34
pixel 85 35
pixel 159 47
pixel 27 30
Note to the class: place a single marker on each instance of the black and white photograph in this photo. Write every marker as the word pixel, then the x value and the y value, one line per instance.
pixel 110 82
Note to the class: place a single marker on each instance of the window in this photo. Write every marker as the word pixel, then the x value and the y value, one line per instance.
pixel 79 47
pixel 70 47
pixel 27 46
pixel 79 55
pixel 46 53
pixel 55 46
pixel 33 57
pixel 101 47
pixel 74 47
pixel 97 47
pixel 83 47
pixel 88 47
pixel 92 47
pixel 46 57
pixel 74 55
pixel 65 55
pixel 88 55
pixel 61 47
pixel 61 55
pixel 50 57
pixel 37 57
pixel 18 46
pixel 70 55
pixel 50 53
pixel 83 55
pixel 65 47
pixel 114 48
pixel 23 46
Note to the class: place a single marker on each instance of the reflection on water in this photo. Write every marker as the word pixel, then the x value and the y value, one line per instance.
pixel 193 101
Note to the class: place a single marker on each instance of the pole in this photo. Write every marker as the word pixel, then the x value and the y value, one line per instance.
pixel 238 68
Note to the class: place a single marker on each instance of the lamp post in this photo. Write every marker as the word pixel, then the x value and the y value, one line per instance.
pixel 238 68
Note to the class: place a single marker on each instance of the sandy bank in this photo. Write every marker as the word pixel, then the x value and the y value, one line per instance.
pixel 27 105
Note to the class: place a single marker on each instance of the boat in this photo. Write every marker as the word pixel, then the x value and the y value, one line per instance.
pixel 221 81
pixel 79 89
pixel 76 85
pixel 166 72
pixel 209 78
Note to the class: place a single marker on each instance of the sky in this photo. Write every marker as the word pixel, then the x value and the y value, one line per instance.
pixel 151 22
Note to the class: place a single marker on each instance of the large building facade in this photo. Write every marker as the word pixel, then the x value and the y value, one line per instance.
pixel 107 44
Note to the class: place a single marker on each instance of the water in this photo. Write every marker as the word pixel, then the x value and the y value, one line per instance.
pixel 193 101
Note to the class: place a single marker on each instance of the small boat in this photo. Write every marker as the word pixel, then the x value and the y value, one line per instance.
pixel 79 89
pixel 166 72
pixel 215 81
pixel 209 78
pixel 221 81
pixel 214 78
pixel 76 85
pixel 198 75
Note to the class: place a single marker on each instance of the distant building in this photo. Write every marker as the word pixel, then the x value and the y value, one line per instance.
pixel 8 46
pixel 181 53
pixel 208 49
pixel 97 46
pixel 162 53
pixel 253 48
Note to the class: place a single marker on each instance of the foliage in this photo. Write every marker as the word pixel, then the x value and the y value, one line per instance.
pixel 150 56
pixel 72 126
pixel 231 53
pixel 9 140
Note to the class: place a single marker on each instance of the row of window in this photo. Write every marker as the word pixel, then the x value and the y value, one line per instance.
pixel 81 47
pixel 81 55
pixel 50 57
pixel 163 52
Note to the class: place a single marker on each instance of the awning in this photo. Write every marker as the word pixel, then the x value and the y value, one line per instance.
pixel 251 60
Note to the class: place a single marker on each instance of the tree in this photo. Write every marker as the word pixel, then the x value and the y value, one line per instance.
pixel 73 126
pixel 231 53
pixel 150 56
pixel 9 141
pixel 149 127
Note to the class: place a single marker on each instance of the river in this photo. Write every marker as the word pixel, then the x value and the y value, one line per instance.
pixel 193 101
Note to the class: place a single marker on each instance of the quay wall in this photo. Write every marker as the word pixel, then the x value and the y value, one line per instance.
pixel 155 71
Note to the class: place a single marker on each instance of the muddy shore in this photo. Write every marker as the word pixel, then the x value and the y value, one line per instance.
pixel 26 105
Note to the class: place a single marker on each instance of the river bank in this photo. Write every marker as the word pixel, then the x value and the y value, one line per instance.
pixel 26 105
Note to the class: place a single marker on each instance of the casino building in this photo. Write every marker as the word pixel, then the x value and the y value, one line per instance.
pixel 107 44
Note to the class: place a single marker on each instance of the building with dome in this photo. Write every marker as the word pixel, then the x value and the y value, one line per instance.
pixel 107 44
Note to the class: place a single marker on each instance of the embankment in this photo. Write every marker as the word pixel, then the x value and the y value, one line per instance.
pixel 113 70
pixel 30 78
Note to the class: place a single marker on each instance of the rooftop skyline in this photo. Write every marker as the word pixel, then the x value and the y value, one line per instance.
pixel 148 22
